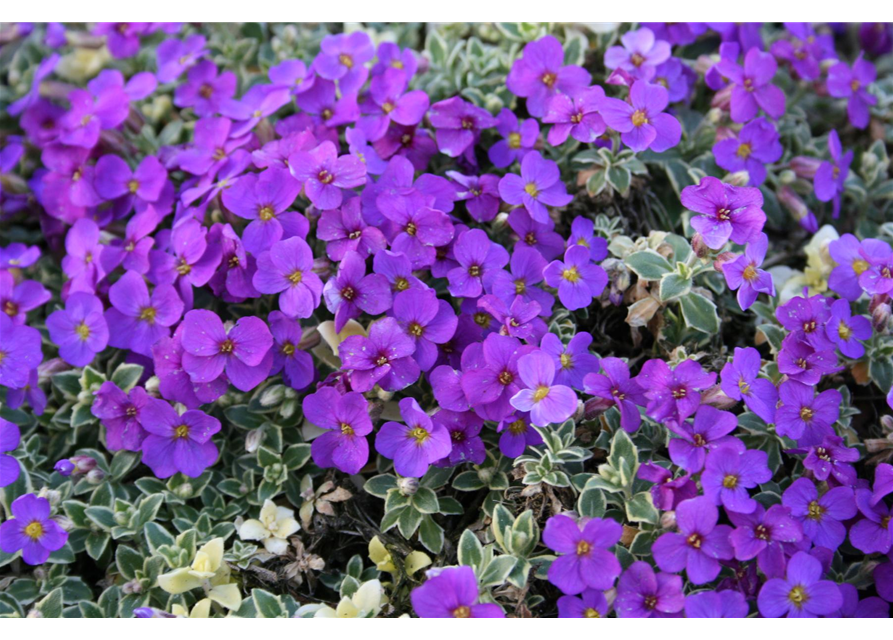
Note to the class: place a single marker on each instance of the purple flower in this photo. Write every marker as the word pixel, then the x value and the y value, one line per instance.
pixel 641 121
pixel 831 175
pixel 744 273
pixel 258 102
pixel 536 235
pixel 716 604
pixel 547 403
pixel 31 100
pixel 883 483
pixel 458 125
pixel 192 260
pixel 821 517
pixel 120 413
pixel 846 251
pixel 397 268
pixel 343 57
pixel 103 105
pixel 31 530
pixel 413 446
pixel 590 604
pixel 133 250
pixel 451 593
pixel 352 292
pixel 173 56
pixel 233 279
pixel 82 262
pixel 577 117
pixel 729 472
pixel 585 561
pixel 296 365
pixel 285 268
pixel 844 82
pixel 752 87
pixel 204 90
pixel 328 107
pixel 740 380
pixel 573 362
pixel 137 320
pixel 831 458
pixel 760 535
pixel 419 227
pixel 667 492
pixel 616 386
pixel 177 443
pixel 518 139
pixel 347 423
pixel 710 430
pixel 35 396
pixel 538 185
pixel 243 350
pixel 20 352
pixel 873 533
pixel 479 258
pixel 142 186
pixel 520 320
pixel 517 435
pixel 18 256
pixel 526 272
pixel 174 383
pixel 852 607
pixel 492 377
pixel 643 594
pixel 577 279
pixel 698 546
pixel 540 73
pixel 345 230
pixel 673 394
pixel 388 101
pixel 639 55
pixel 847 330
pixel 122 38
pixel 677 78
pixel 292 74
pixel 325 174
pixel 464 428
pixel 802 594
pixel 804 416
pixel 80 330
pixel 805 317
pixel 878 278
pixel 727 212
pixel 264 199
pixel 10 436
pixel 212 147
pixel 756 146
pixel 383 358
pixel 480 194
pixel 426 320
pixel 16 300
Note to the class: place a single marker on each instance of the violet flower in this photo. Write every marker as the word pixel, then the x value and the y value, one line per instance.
pixel 352 292
pixel 137 320
pixel 711 429
pixel 413 446
pixel 727 212
pixel 494 377
pixel 382 358
pixel 325 174
pixel 547 403
pixel 585 561
pixel 114 179
pixel 641 121
pixel 458 125
pixel 177 443
pixel 120 413
pixel 538 186
pixel 752 87
pixel 464 428
pixel 345 230
pixel 173 56
pixel 285 268
pixel 347 423
pixel 729 472
pixel 518 139
pixel 480 194
pixel 419 226
pixel 575 116
pixel 517 435
pixel 673 394
pixel 296 365
pixel 80 330
pixel 832 174
pixel 479 258
pixel 616 386
pixel 577 279
pixel 755 146
pixel 17 299
pixel 426 320
pixel 878 278
pixel 716 604
pixel 667 492
pixel 831 460
pixel 452 593
pixel 847 330
pixel 762 535
pixel 31 530
pixel 540 73
pixel 204 90
pixel 846 251
pixel 520 319
pixel 699 544
pixel 844 82
pixel 573 362
pixel 804 416
pixel 639 55
pixel 873 533
pixel 802 594
pixel 536 235
pixel 343 57
pixel 821 517
pixel 739 379
pixel 744 275
pixel 389 101
pixel 10 437
pixel 590 604
pixel 643 594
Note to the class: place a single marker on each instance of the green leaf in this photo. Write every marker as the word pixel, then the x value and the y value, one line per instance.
pixel 408 522
pixel 296 456
pixel 700 313
pixel 591 503
pixel 640 508
pixel 127 375
pixel 148 509
pixel 123 463
pixel 425 500
pixel 468 481
pixel 471 551
pixel 648 264
pixel 68 382
pixel 128 561
pixel 497 571
pixel 379 486
pixel 673 285
pixel 96 543
pixel 267 605
pixel 431 535
pixel 773 334
pixel 597 182
pixel 51 605
pixel 103 516
pixel 620 178
pixel 157 536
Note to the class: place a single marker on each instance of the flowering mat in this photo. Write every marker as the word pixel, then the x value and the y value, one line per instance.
pixel 474 320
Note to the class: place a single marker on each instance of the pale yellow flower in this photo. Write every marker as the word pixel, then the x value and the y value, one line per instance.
pixel 273 528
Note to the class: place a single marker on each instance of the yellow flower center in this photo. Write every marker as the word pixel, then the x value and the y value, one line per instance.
pixel 420 435
pixel 181 432
pixel 83 331
pixel 730 482
pixel 639 118
pixel 541 393
pixel 517 427
pixel 798 596
pixel 723 214
pixel 744 150
pixel 806 414
pixel 462 612
pixel 346 60
pixel 571 275
pixel 844 331
pixel 506 378
pixel 288 348
pixel 184 268
pixel 133 186
pixel 694 540
pixel 637 59
pixel 147 314
pixel 411 229
pixel 549 79
pixel 10 308
pixel 346 429
pixel 531 189
pixel 743 387
pixel 266 213
pixel 583 548
pixel 750 273
pixel 816 510
pixel 401 284
pixel 415 329
pixel 34 530
pixel 589 612
pixel 295 278
pixel 520 286
pixel 325 177
pixel 348 293
pixel 860 266
pixel 227 346
pixel 515 140
pixel 474 271
pixel 566 361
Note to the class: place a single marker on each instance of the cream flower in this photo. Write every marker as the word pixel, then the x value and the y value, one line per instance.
pixel 209 571
pixel 365 603
pixel 273 528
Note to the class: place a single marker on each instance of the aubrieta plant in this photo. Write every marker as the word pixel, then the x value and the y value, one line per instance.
pixel 454 320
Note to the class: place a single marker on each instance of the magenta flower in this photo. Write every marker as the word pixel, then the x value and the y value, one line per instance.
pixel 540 73
pixel 576 117
pixel 173 56
pixel 573 362
pixel 204 90
pixel 536 235
pixel 242 351
pixel 518 139
pixel 716 604
pixel 802 594
pixel 547 403
pixel 831 459
pixel 744 275
pixel 479 258
pixel 805 318
pixel 755 146
pixel 878 278
pixel 519 320
pixel 846 330
pixel 296 365
pixel 458 125
pixel 16 300
pixel 343 57
pixel 382 358
pixel 345 230
pixel 103 105
pixel 10 436
pixel 347 423
pixel 259 102
pixel 177 443
pixel 727 212
pixel 324 174
pixel 286 268
pixel 538 186
pixel 710 430
pixel 577 279
pixel 493 378
pixel 132 251
pixel 639 55
pixel 397 268
pixel 643 594
pixel 821 517
pixel 20 352
pixel 517 435
pixel 174 383
pixel 762 535
pixel 413 446
pixel 729 472
pixel 191 261
pixel 388 101
pixel 667 492
pixel 526 272
pixel 18 256
pixel 122 38
pixel 480 194
pixel 698 546
pixel 616 386
pixel 831 175
pixel 804 416
pixel 673 394
pixel 426 320
pixel 752 87
pixel 233 279
pixel 137 320
pixel 464 428
pixel 739 379
pixel 120 413
pixel 451 593
pixel 585 561
pixel 292 74
pixel 844 82
pixel 79 330
pixel 641 121
pixel 31 530
pixel 328 107
pixel 212 147
pixel 419 227
pixel 114 179
pixel 873 533
pixel 590 604
pixel 352 292
pixel 846 251
pixel 83 253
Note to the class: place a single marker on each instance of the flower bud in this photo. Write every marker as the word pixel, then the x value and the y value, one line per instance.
pixel 722 99
pixel 54 497
pixel 880 317
pixel 805 167
pixel 65 522
pixel 408 486
pixel 737 179
pixel 876 445
pixel 887 424
pixel 96 476
pixel 252 440
pixel 594 407
pixel 668 520
pixel 699 246
pixel 64 467
pixel 323 268
pixel 793 203
pixel 83 464
pixel 787 177
pixel 184 490
pixel 132 587
pixel 272 396
pixel 722 258
pixel 715 397
pixel 153 387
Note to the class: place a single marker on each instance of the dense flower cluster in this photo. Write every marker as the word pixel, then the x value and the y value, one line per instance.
pixel 340 266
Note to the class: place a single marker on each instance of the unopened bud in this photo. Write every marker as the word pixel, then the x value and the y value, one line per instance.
pixel 805 167
pixel 876 445
pixel 272 396
pixel 721 259
pixel 887 424
pixel 184 490
pixel 83 464
pixel 408 486
pixel 132 587
pixel 716 397
pixel 252 440
pixel 96 476
pixel 737 179
pixel 722 99
pixel 594 407
pixel 668 520
pixel 53 497
pixel 793 203
pixel 323 268
pixel 65 522
pixel 787 176
pixel 64 467
pixel 384 396
pixel 153 387
pixel 699 246
pixel 880 318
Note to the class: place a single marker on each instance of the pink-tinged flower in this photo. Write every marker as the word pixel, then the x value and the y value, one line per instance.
pixel 846 330
pixel 639 55
pixel 345 230
pixel 324 174
pixel 10 436
pixel 698 546
pixel 397 268
pixel 673 394
pixel 711 429
pixel 347 423
pixel 389 101
pixel 30 100
pixel 831 175
pixel 678 79
pixel 426 320
pixel 464 428
pixel 174 383
pixel 18 256
pixel 538 186
pixel 204 90
pixel 383 358
pixel 479 258
pixel 805 318
pixel 191 260
pixel 16 300
pixel 802 594
pixel 242 351
pixel 20 352
pixel 452 593
pixel 177 443
pixel 80 330
pixel 755 146
pixel 716 604
pixel 643 594
pixel 31 530
pixel 233 279
pixel 212 146
pixel 536 235
pixel 821 517
pixel 878 277
pixel 120 413
pixel 844 82
pixel 103 105
pixel 729 472
pixel 173 56
pixel 801 361
pixel 520 319
pixel 413 446
pixel 296 365
pixel 739 379
pixel 352 292
pixel 744 275
pixel 286 268
pixel 458 125
pixel 518 139
pixel 667 492
pixel 641 121
pixel 804 416
pixel 493 378
pixel 137 320
pixel 873 533
pixel 616 386
pixel 122 38
pixel 577 279
pixel 727 212
pixel 762 534
pixel 752 87
pixel 540 73
pixel 547 403
pixel 576 116
pixel 585 561
pixel 480 194
pixel 343 57
pixel 132 251
pixel 259 102
pixel 114 179
pixel 590 604
pixel 328 107
pixel 526 272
